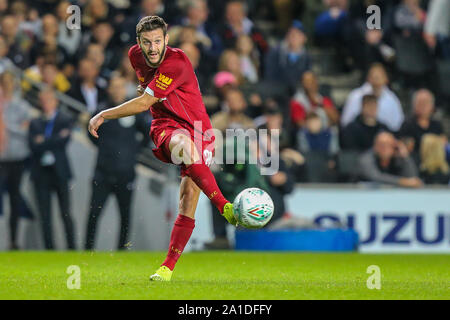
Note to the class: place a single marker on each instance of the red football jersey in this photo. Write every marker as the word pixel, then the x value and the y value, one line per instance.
pixel 175 83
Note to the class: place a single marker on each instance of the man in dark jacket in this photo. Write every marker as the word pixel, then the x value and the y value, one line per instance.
pixel 87 89
pixel 420 123
pixel 115 172
pixel 388 162
pixel 359 135
pixel 50 169
pixel 287 62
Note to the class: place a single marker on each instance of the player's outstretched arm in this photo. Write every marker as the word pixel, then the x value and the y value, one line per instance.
pixel 129 108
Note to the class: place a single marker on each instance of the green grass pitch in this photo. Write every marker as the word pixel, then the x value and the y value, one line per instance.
pixel 224 275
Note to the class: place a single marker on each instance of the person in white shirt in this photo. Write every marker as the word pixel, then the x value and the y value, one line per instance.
pixel 390 111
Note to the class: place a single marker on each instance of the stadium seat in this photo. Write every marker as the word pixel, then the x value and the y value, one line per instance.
pixel 316 167
pixel 347 161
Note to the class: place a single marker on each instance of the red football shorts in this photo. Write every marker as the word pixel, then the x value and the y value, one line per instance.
pixel 161 136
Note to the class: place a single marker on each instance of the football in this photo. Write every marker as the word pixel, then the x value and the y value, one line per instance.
pixel 253 208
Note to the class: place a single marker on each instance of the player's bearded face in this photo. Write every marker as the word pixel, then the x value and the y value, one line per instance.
pixel 153 45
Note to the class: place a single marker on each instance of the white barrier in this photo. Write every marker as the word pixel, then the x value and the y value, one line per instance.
pixel 387 220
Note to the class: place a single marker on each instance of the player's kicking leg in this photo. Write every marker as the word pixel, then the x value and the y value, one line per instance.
pixel 199 177
pixel 183 148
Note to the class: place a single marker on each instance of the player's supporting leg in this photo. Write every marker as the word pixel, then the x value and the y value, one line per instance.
pixel 200 173
pixel 182 229
pixel 185 222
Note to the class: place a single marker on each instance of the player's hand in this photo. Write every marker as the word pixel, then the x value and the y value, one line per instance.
pixel 95 123
pixel 140 90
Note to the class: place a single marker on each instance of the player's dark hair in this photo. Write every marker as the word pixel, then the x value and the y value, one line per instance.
pixel 368 98
pixel 150 23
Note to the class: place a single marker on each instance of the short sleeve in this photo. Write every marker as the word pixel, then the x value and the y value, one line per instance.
pixel 131 58
pixel 297 111
pixel 139 74
pixel 328 103
pixel 168 77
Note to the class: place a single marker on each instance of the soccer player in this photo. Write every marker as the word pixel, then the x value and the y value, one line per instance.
pixel 169 88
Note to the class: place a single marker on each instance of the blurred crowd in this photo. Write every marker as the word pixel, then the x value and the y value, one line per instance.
pixel 258 63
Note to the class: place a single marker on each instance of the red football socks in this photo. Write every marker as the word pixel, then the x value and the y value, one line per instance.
pixel 203 177
pixel 179 237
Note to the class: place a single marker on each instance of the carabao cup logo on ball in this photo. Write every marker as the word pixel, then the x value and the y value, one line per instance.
pixel 253 208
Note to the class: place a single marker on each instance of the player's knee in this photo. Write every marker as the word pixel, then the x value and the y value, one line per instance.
pixel 177 140
pixel 184 149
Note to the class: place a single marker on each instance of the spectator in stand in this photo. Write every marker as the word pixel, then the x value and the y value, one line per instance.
pixel 409 17
pixel 27 18
pixel 16 115
pixel 86 89
pixel 286 10
pixel 103 35
pixel 69 39
pixel 437 27
pixel 189 34
pixel 50 169
pixel 280 183
pixel 420 123
pixel 223 81
pixel 138 10
pixel 389 162
pixel 229 61
pixel 286 63
pixel 328 28
pixel 118 146
pixel 95 53
pixel 180 34
pixel 127 72
pixel 53 77
pixel 390 111
pixel 272 118
pixel 237 23
pixel 234 116
pixel 45 71
pixel 152 7
pixel 360 134
pixel 47 40
pixel 5 63
pixel 193 54
pixel 367 46
pixel 376 49
pixel 196 16
pixel 319 146
pixel 434 169
pixel 313 137
pixel 96 10
pixel 18 42
pixel 249 58
pixel 307 99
